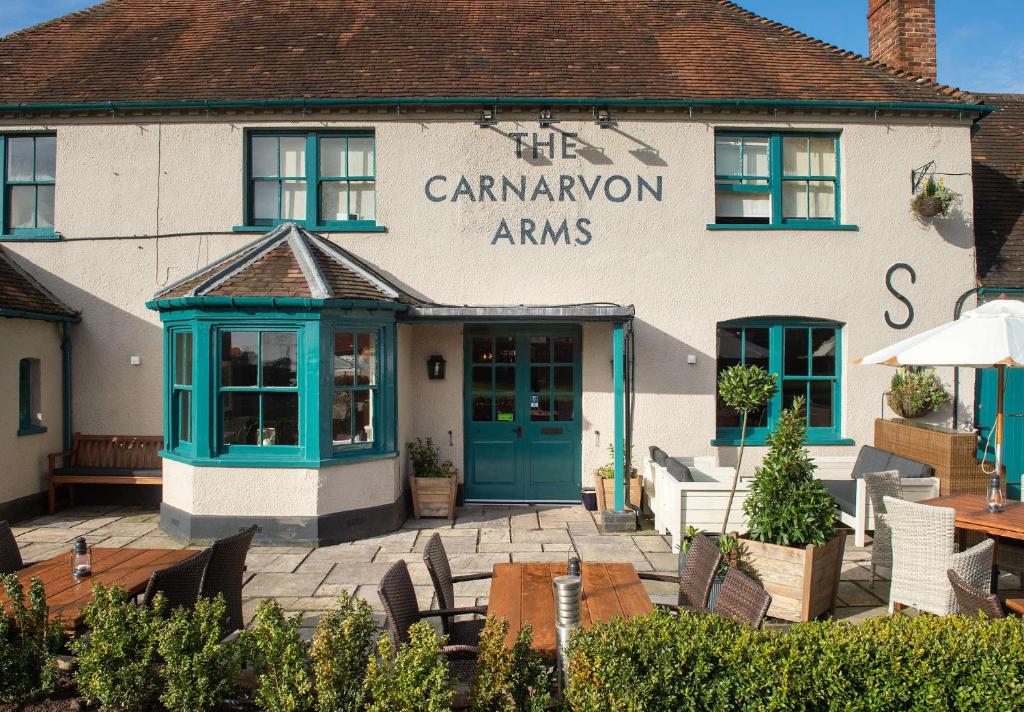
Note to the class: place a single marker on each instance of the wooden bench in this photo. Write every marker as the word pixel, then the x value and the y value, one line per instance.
pixel 106 460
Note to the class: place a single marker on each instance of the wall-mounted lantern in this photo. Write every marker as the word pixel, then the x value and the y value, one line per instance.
pixel 435 367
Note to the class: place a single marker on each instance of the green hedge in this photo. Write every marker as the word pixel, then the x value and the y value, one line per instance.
pixel 703 662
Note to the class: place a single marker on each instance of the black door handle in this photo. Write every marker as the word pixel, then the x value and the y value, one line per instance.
pixel 519 431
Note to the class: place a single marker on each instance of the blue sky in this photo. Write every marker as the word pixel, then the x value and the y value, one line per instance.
pixel 980 42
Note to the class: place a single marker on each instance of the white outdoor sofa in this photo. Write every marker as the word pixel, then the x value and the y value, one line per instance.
pixel 693 492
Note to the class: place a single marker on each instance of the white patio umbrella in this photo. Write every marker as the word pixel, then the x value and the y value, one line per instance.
pixel 991 336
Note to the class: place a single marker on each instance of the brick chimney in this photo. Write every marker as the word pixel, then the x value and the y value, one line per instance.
pixel 901 33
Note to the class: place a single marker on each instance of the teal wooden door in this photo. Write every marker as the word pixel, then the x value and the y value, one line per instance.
pixel 523 416
pixel 1013 423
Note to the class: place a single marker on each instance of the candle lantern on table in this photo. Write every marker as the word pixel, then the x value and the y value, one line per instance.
pixel 81 559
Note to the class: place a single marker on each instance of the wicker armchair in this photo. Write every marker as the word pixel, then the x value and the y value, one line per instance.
pixel 699 571
pixel 399 598
pixel 10 554
pixel 743 599
pixel 224 575
pixel 180 584
pixel 879 486
pixel 973 602
pixel 922 551
pixel 436 559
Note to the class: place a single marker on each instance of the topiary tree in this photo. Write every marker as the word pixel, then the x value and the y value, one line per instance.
pixel 744 389
pixel 787 506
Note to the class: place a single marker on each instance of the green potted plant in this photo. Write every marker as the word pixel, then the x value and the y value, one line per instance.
pixel 744 389
pixel 433 482
pixel 934 199
pixel 604 482
pixel 792 544
pixel 914 393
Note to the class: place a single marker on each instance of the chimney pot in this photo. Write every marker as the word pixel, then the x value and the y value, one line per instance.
pixel 901 33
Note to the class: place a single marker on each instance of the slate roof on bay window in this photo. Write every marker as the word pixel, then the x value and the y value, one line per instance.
pixel 289 261
pixel 21 292
pixel 222 50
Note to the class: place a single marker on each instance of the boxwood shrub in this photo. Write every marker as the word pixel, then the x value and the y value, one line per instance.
pixel 703 662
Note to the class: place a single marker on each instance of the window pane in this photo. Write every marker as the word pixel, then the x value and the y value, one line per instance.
pixel 792 389
pixel 341 417
pixel 482 349
pixel 823 156
pixel 360 156
pixel 364 416
pixel 19 158
pixel 344 359
pixel 332 157
pixel 367 361
pixel 743 207
pixel 293 200
pixel 542 412
pixel 280 419
pixel 293 156
pixel 241 418
pixel 757 347
pixel 755 157
pixel 727 156
pixel 44 206
pixel 505 407
pixel 795 158
pixel 540 379
pixel 725 417
pixel 504 378
pixel 264 205
pixel 823 199
pixel 482 407
pixel 823 351
pixel 238 358
pixel 540 349
pixel 23 206
pixel 184 416
pixel 46 157
pixel 729 348
pixel 482 379
pixel 506 348
pixel 794 199
pixel 279 358
pixel 820 405
pixel 362 203
pixel 564 408
pixel 796 352
pixel 183 358
pixel 264 156
pixel 333 201
pixel 563 378
pixel 563 349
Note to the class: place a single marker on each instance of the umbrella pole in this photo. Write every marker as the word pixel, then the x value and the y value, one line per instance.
pixel 995 495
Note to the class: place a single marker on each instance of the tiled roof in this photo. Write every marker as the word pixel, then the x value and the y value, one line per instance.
pixel 998 156
pixel 209 50
pixel 19 291
pixel 288 261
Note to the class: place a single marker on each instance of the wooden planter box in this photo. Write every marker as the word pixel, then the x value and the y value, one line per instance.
pixel 802 582
pixel 606 492
pixel 433 496
pixel 951 453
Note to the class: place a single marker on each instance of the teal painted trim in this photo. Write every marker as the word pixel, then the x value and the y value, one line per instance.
pixel 483 101
pixel 618 387
pixel 791 227
pixel 40 316
pixel 31 430
pixel 760 439
pixel 353 226
pixel 338 459
pixel 271 303
pixel 26 233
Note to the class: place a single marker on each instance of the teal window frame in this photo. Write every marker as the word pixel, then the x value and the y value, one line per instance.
pixel 314 182
pixel 375 405
pixel 29 371
pixel 775 181
pixel 23 233
pixel 177 390
pixel 777 328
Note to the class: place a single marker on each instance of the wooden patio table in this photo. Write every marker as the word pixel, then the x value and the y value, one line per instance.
pixel 524 593
pixel 128 568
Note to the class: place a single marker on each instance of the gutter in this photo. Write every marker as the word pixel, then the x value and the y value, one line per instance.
pixel 272 303
pixel 495 102
pixel 41 316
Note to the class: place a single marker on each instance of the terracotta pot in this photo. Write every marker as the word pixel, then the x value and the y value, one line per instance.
pixel 433 496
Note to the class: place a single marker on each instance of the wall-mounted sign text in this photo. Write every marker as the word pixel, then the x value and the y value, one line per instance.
pixel 566 187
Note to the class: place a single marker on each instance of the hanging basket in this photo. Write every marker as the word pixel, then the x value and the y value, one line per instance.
pixel 928 206
pixel 902 410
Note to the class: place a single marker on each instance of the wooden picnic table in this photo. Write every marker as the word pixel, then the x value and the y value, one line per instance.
pixel 128 568
pixel 524 593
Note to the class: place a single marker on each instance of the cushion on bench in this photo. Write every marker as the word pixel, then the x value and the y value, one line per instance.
pixel 678 470
pixel 105 472
pixel 658 455
pixel 844 492
pixel 871 459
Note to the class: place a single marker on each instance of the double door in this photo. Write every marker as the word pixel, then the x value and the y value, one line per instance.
pixel 523 417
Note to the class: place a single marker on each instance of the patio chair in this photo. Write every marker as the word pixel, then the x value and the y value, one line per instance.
pixel 10 555
pixel 225 572
pixel 881 485
pixel 180 584
pixel 972 602
pixel 436 559
pixel 702 562
pixel 743 599
pixel 399 599
pixel 923 549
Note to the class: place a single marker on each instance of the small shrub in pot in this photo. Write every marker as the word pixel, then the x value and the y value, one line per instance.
pixel 341 649
pixel 28 643
pixel 413 679
pixel 279 657
pixel 509 679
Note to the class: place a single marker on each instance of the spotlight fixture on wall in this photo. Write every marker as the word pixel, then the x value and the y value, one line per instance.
pixel 488 117
pixel 603 118
pixel 545 119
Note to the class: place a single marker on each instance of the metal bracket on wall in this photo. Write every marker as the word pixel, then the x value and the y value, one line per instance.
pixel 918 175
